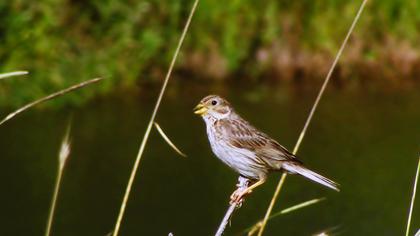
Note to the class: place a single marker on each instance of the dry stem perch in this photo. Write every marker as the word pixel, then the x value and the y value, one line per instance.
pixel 242 185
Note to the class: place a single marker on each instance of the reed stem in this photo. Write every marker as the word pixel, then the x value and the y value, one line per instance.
pixel 62 158
pixel 54 201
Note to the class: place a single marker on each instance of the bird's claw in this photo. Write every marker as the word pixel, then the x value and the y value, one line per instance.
pixel 237 196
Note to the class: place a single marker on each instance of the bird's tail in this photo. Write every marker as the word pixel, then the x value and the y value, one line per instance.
pixel 297 168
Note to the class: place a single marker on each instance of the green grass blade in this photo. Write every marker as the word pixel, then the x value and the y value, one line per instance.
pixel 49 97
pixel 170 143
pixel 11 74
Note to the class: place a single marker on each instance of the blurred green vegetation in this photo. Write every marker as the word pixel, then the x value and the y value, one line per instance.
pixel 62 42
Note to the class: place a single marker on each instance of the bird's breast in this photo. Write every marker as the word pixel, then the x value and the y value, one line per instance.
pixel 241 160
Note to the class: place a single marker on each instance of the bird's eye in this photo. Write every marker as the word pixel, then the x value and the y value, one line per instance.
pixel 214 102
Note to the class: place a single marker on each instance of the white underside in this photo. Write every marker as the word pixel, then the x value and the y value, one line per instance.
pixel 240 160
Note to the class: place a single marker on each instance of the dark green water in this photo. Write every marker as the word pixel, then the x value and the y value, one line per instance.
pixel 368 140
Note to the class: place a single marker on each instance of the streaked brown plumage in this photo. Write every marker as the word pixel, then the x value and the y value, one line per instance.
pixel 248 151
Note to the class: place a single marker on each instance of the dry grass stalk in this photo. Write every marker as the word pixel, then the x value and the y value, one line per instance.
pixel 297 207
pixel 62 158
pixel 170 143
pixel 49 97
pixel 413 198
pixel 150 124
pixel 10 74
pixel 254 229
pixel 317 100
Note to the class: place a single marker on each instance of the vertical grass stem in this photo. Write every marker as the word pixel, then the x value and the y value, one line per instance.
pixel 62 158
pixel 312 112
pixel 150 124
pixel 413 198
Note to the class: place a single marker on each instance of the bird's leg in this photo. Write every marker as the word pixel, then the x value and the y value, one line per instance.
pixel 239 193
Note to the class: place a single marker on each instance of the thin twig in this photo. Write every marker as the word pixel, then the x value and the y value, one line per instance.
pixel 413 198
pixel 242 184
pixel 225 220
pixel 150 124
pixel 49 97
pixel 62 157
pixel 10 74
pixel 170 143
pixel 312 112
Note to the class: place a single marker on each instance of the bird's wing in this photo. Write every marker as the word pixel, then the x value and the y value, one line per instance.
pixel 241 134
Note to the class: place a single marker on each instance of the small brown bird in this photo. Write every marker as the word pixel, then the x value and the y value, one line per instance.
pixel 248 151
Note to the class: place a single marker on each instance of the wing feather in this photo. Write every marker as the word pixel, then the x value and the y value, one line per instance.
pixel 241 134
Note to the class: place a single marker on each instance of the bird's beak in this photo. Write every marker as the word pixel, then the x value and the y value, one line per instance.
pixel 200 109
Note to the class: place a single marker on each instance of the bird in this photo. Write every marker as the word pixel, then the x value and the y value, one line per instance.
pixel 247 150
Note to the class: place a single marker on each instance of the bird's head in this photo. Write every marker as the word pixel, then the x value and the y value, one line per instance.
pixel 213 106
